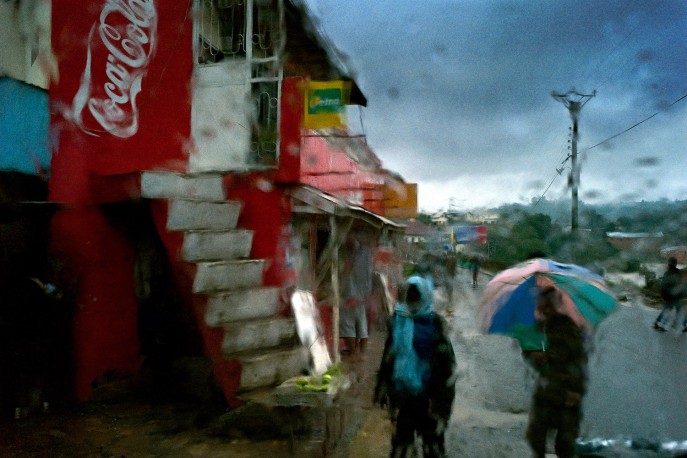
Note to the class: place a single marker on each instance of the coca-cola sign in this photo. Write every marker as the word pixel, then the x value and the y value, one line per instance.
pixel 121 45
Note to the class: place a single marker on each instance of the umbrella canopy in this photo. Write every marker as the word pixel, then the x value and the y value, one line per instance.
pixel 508 302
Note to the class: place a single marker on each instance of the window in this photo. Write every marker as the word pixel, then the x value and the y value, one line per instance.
pixel 252 31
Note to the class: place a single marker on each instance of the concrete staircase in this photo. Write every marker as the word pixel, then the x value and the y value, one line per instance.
pixel 266 344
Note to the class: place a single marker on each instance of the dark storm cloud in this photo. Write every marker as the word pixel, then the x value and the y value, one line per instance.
pixel 464 88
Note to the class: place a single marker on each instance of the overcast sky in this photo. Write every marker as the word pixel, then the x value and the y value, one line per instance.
pixel 459 95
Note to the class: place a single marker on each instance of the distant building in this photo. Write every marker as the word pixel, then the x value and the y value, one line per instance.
pixel 462 235
pixel 420 237
pixel 440 218
pixel 419 232
pixel 644 242
pixel 481 218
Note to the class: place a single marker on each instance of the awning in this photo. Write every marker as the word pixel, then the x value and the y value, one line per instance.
pixel 312 201
pixel 309 200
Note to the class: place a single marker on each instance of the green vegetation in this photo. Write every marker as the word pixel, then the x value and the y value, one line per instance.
pixel 542 230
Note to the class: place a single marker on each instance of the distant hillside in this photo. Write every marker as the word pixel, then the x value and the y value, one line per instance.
pixel 669 217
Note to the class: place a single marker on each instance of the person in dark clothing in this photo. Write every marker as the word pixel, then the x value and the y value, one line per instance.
pixel 672 292
pixel 416 376
pixel 474 269
pixel 450 262
pixel 562 381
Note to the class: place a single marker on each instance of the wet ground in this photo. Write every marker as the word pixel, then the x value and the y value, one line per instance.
pixel 125 429
pixel 131 428
pixel 134 428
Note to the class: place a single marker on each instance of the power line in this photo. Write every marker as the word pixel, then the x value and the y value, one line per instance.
pixel 635 125
pixel 558 173
pixel 602 61
pixel 568 157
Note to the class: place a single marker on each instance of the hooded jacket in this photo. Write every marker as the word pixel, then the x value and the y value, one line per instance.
pixel 417 340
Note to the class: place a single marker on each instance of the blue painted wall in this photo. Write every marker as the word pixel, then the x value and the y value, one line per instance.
pixel 24 122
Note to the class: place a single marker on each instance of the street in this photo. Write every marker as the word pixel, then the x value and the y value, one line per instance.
pixel 636 392
pixel 636 387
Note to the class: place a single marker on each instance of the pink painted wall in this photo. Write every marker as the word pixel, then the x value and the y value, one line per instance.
pixel 326 165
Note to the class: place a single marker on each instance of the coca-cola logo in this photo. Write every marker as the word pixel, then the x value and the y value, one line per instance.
pixel 111 80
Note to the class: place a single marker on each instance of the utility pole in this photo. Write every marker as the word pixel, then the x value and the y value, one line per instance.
pixel 573 101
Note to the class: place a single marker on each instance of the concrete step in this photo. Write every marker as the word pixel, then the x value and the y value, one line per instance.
pixel 254 335
pixel 272 367
pixel 216 245
pixel 186 214
pixel 170 185
pixel 219 276
pixel 240 305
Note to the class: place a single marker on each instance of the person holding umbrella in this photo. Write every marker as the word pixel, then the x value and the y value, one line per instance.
pixel 562 380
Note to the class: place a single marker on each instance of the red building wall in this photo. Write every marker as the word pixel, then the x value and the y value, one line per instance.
pixel 122 104
pixel 123 97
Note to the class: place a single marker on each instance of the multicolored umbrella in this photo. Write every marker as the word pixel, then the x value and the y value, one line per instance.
pixel 508 302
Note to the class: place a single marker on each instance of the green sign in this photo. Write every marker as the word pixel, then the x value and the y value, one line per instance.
pixel 321 101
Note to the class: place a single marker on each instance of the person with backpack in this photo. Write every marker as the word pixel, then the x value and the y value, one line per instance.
pixel 416 377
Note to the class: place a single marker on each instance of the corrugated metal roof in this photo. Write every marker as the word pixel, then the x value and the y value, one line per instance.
pixel 634 235
pixel 337 58
pixel 316 201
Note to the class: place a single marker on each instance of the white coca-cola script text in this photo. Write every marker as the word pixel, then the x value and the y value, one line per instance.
pixel 127 30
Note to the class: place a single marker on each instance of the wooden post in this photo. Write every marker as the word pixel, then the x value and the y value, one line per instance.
pixel 335 288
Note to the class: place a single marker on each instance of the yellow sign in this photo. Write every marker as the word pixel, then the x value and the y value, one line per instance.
pixel 325 104
pixel 400 200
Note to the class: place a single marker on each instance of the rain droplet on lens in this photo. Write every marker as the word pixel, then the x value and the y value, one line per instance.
pixel 646 162
pixel 535 184
pixel 644 55
pixel 393 93
pixel 651 183
pixel 293 148
pixel 592 194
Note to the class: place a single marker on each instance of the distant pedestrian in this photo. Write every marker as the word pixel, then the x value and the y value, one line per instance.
pixel 416 376
pixel 356 292
pixel 450 262
pixel 562 381
pixel 673 291
pixel 474 270
pixel 425 269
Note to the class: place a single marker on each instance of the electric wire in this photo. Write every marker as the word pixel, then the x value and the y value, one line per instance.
pixel 585 150
pixel 616 47
pixel 558 173
pixel 679 99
